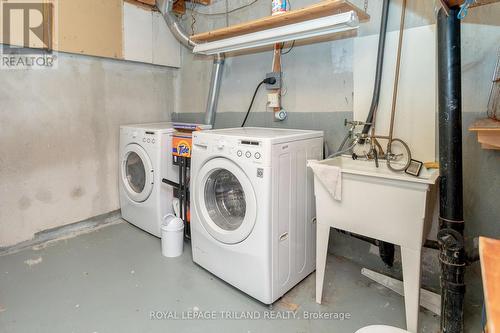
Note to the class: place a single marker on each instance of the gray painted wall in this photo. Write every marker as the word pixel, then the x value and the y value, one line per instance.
pixel 319 93
pixel 59 134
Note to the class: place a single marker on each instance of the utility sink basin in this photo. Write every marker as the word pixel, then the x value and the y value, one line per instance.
pixel 376 202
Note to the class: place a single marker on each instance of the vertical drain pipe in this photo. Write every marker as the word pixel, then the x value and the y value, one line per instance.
pixel 451 223
pixel 165 7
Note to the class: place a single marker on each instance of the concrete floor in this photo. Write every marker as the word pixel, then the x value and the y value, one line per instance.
pixel 112 279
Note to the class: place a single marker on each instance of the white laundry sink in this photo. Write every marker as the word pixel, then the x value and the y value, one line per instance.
pixel 382 204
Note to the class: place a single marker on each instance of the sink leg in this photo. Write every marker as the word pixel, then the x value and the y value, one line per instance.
pixel 411 260
pixel 322 235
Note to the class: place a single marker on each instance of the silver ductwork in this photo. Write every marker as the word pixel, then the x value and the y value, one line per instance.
pixel 213 94
pixel 165 7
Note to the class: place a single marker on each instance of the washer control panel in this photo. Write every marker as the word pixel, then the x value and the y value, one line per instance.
pixel 246 150
pixel 249 150
pixel 144 138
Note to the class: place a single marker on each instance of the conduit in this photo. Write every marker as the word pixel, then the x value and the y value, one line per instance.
pixel 165 7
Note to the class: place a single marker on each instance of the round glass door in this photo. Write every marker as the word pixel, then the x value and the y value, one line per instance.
pixel 226 201
pixel 137 173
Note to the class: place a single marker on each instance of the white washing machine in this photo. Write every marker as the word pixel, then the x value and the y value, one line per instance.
pixel 252 207
pixel 145 158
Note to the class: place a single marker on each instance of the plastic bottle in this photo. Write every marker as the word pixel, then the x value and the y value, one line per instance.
pixel 278 7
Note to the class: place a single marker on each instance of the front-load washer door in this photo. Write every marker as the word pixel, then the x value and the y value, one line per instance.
pixel 137 173
pixel 225 201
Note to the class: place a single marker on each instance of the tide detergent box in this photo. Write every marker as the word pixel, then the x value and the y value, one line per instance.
pixel 182 144
pixel 182 139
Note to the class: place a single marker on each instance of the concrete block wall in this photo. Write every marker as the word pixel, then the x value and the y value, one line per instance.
pixel 59 132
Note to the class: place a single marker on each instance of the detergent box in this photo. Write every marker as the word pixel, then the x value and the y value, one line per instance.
pixel 182 139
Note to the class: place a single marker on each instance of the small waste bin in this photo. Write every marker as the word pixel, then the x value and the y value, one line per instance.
pixel 172 236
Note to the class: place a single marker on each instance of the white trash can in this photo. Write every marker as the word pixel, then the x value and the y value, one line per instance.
pixel 172 236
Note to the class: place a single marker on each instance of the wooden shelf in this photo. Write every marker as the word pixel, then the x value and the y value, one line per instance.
pixel 488 133
pixel 489 252
pixel 322 9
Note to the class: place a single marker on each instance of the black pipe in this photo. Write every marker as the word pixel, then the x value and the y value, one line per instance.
pixel 370 240
pixel 380 65
pixel 452 259
pixel 431 244
pixel 386 250
pixel 450 237
pixel 450 120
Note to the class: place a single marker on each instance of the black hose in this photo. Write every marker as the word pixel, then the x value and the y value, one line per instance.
pixel 380 65
pixel 386 250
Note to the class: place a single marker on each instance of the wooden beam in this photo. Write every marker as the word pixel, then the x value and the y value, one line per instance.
pixel 141 4
pixel 453 3
pixel 178 8
pixel 322 9
pixel 180 5
pixel 148 2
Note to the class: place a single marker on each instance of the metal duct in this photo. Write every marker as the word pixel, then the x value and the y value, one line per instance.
pixel 165 7
pixel 213 94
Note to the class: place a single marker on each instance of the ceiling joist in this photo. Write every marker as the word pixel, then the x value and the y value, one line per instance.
pixel 179 5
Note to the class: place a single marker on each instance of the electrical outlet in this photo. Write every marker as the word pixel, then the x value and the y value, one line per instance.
pixel 277 76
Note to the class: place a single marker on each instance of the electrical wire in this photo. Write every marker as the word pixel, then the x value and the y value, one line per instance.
pixel 289 50
pixel 251 103
pixel 293 42
pixel 226 12
pixel 193 19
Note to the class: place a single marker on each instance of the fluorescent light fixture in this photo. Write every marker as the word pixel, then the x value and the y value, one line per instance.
pixel 312 28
